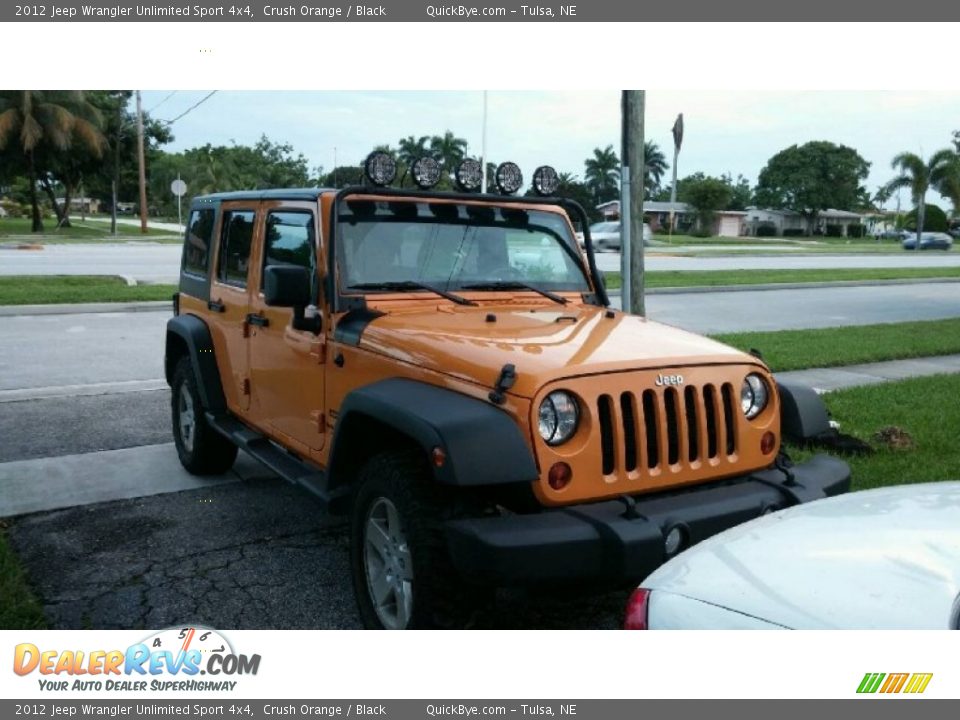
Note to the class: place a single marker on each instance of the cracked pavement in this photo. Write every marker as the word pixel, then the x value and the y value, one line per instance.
pixel 252 555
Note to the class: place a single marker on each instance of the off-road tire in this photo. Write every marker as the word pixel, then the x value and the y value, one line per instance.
pixel 441 599
pixel 207 452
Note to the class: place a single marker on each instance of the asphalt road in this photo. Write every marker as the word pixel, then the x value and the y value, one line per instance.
pixel 60 350
pixel 154 262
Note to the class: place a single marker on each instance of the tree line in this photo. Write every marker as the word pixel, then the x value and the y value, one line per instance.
pixel 53 144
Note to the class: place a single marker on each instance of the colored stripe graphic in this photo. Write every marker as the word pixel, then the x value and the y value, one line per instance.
pixel 918 683
pixel 914 683
pixel 870 682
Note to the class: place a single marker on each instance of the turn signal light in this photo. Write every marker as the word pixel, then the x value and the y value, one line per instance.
pixel 767 443
pixel 638 607
pixel 559 476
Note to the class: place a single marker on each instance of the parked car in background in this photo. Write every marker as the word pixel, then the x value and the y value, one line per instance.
pixel 606 235
pixel 928 241
pixel 886 558
pixel 892 234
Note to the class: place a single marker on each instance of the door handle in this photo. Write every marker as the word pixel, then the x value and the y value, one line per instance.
pixel 216 306
pixel 258 320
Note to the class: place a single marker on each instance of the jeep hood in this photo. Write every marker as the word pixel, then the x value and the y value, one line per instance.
pixel 544 344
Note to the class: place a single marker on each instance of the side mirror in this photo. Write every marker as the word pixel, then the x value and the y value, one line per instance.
pixel 286 286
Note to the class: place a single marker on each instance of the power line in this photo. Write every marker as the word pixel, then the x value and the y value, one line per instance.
pixel 191 108
pixel 162 101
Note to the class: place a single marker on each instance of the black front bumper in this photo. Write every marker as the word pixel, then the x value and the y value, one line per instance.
pixel 606 542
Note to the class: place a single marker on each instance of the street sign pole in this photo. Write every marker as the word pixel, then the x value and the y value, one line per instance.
pixel 179 188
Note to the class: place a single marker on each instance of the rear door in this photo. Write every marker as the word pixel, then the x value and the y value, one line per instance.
pixel 286 363
pixel 230 299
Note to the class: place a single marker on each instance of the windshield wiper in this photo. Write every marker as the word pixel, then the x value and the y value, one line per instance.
pixel 516 285
pixel 411 285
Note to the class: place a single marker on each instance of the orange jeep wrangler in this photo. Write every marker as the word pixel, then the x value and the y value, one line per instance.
pixel 444 367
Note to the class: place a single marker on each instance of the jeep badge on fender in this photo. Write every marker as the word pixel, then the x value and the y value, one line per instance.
pixel 443 368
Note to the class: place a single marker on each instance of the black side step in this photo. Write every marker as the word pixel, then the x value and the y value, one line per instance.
pixel 272 457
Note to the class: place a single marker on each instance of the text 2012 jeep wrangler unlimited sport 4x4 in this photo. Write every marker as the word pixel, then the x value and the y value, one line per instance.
pixel 444 368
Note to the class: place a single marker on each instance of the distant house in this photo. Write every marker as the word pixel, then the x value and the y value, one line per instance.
pixel 727 223
pixel 82 204
pixel 790 222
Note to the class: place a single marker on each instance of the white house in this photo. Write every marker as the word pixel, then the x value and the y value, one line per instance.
pixel 791 222
pixel 727 223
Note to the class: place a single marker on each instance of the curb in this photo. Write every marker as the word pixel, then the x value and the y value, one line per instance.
pixel 79 308
pixel 697 289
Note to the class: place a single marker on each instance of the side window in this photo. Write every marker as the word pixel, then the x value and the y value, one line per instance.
pixel 235 241
pixel 196 247
pixel 290 239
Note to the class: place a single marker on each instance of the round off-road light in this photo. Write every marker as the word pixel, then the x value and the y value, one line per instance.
pixel 380 168
pixel 753 395
pixel 469 175
pixel 425 172
pixel 558 417
pixel 508 177
pixel 545 180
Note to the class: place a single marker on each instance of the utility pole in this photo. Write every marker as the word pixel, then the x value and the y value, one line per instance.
pixel 141 159
pixel 483 148
pixel 631 203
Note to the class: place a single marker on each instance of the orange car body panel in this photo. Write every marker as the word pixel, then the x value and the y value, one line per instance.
pixel 284 381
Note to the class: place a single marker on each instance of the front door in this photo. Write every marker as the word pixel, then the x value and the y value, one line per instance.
pixel 286 364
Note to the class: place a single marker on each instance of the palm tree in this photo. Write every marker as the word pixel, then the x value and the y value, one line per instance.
pixel 920 176
pixel 882 196
pixel 47 120
pixel 655 165
pixel 410 150
pixel 602 175
pixel 448 149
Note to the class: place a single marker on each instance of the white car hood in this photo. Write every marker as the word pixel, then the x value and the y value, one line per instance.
pixel 887 558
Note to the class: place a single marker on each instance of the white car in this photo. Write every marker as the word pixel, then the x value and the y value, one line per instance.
pixel 877 559
pixel 606 235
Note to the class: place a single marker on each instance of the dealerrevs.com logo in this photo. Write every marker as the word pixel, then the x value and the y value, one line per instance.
pixel 179 653
pixel 891 683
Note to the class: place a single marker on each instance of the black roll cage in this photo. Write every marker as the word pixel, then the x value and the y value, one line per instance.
pixel 339 303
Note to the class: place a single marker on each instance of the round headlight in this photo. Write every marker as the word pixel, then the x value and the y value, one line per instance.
pixel 425 172
pixel 469 175
pixel 509 178
pixel 545 180
pixel 558 417
pixel 380 168
pixel 753 395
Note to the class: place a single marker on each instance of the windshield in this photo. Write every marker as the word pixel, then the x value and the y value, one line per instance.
pixel 455 246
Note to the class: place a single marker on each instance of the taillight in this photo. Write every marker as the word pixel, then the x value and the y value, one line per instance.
pixel 636 615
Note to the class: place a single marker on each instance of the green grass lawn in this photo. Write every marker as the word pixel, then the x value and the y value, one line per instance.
pixel 831 347
pixel 716 278
pixel 50 289
pixel 925 408
pixel 18 230
pixel 19 609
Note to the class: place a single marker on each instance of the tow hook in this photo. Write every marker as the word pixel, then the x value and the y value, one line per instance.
pixel 631 508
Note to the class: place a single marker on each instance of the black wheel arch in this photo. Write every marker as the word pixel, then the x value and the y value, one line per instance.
pixel 482 444
pixel 189 336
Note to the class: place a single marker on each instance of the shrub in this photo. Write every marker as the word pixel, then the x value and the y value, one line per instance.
pixel 856 231
pixel 766 229
pixel 13 208
pixel 934 219
pixel 833 231
pixel 793 232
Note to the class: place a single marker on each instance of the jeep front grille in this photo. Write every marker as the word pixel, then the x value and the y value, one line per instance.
pixel 653 430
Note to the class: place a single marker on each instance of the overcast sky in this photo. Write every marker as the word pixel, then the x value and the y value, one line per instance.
pixel 726 131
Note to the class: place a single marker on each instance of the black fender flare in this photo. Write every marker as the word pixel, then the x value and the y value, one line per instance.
pixel 803 414
pixel 482 444
pixel 194 334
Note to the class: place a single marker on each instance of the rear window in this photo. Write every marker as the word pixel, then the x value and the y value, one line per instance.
pixel 196 247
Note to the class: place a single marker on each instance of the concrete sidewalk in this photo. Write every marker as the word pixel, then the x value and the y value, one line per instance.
pixel 838 378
